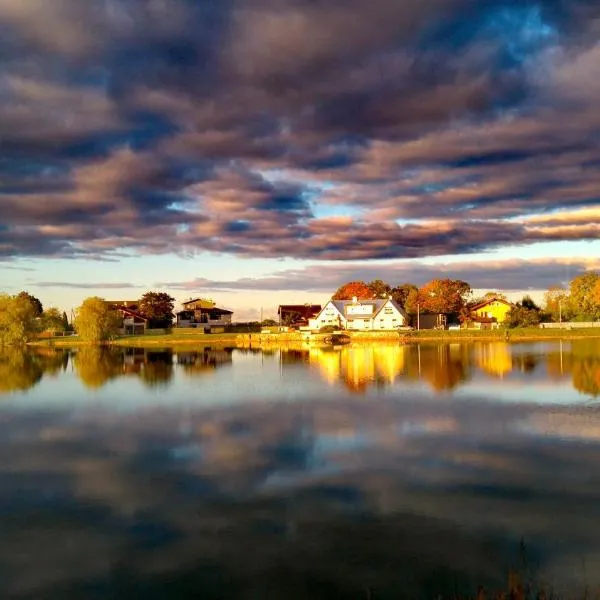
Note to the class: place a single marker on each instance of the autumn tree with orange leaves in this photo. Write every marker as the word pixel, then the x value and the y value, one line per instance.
pixel 444 296
pixel 352 289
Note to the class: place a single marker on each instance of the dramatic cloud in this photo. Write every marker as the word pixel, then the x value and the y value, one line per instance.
pixel 507 275
pixel 271 128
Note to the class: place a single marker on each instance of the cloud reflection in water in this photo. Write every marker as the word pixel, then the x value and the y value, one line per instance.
pixel 322 497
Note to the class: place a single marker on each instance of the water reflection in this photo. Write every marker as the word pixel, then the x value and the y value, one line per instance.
pixel 319 500
pixel 443 368
pixel 21 369
pixel 358 489
pixel 580 363
pixel 96 365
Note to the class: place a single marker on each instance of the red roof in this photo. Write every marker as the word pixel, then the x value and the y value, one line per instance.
pixel 489 301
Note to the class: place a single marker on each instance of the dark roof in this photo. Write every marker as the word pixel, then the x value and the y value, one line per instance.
pixel 376 303
pixel 128 311
pixel 209 311
pixel 202 300
pixel 302 309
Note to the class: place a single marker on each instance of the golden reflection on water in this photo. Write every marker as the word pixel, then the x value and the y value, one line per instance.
pixel 441 367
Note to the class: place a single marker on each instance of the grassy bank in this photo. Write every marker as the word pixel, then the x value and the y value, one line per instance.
pixel 525 334
pixel 194 337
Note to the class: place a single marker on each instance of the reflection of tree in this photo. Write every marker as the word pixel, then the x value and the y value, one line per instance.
pixel 294 356
pixel 19 369
pixel 157 369
pixel 96 365
pixel 443 366
pixel 586 366
pixel 581 361
pixel 53 361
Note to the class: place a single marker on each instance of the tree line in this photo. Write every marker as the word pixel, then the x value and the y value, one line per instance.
pixel 580 301
pixel 22 316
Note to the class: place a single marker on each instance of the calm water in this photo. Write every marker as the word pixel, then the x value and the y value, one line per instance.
pixel 370 471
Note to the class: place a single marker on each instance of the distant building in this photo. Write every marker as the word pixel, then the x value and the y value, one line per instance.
pixel 203 313
pixel 361 315
pixel 297 315
pixel 133 323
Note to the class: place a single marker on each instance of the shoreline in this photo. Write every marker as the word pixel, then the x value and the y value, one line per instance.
pixel 246 340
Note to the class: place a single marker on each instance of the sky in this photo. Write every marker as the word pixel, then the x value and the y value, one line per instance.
pixel 260 152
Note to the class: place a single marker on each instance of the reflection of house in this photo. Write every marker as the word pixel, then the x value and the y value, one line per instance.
pixel 297 315
pixel 359 366
pixel 133 323
pixel 203 313
pixel 197 363
pixel 490 312
pixel 365 315
pixel 494 358
pixel 328 362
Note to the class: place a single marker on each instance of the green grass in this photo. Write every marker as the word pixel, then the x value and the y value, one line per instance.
pixel 193 336
pixel 527 333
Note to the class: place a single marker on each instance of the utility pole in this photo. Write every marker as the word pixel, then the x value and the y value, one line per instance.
pixel 418 317
pixel 560 312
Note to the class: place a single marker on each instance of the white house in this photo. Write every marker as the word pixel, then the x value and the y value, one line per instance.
pixel 361 315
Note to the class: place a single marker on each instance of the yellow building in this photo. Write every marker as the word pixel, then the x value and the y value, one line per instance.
pixel 492 310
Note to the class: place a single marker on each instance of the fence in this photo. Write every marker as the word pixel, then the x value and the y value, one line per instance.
pixel 582 325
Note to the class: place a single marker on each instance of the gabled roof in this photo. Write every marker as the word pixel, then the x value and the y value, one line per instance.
pixel 489 301
pixel 376 303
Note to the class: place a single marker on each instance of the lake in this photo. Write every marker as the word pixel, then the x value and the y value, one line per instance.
pixel 366 471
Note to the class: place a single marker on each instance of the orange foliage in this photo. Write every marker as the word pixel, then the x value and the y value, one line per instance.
pixel 354 288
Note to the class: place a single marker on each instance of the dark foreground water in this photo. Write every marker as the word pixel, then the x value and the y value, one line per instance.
pixel 360 472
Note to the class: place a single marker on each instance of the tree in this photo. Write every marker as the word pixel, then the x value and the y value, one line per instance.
pixel 269 323
pixel 444 296
pixel 52 320
pixel 358 289
pixel 379 288
pixel 157 307
pixel 411 305
pixel 524 314
pixel 95 321
pixel 65 320
pixel 557 305
pixel 401 293
pixel 17 320
pixel 527 302
pixel 585 296
pixel 37 305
